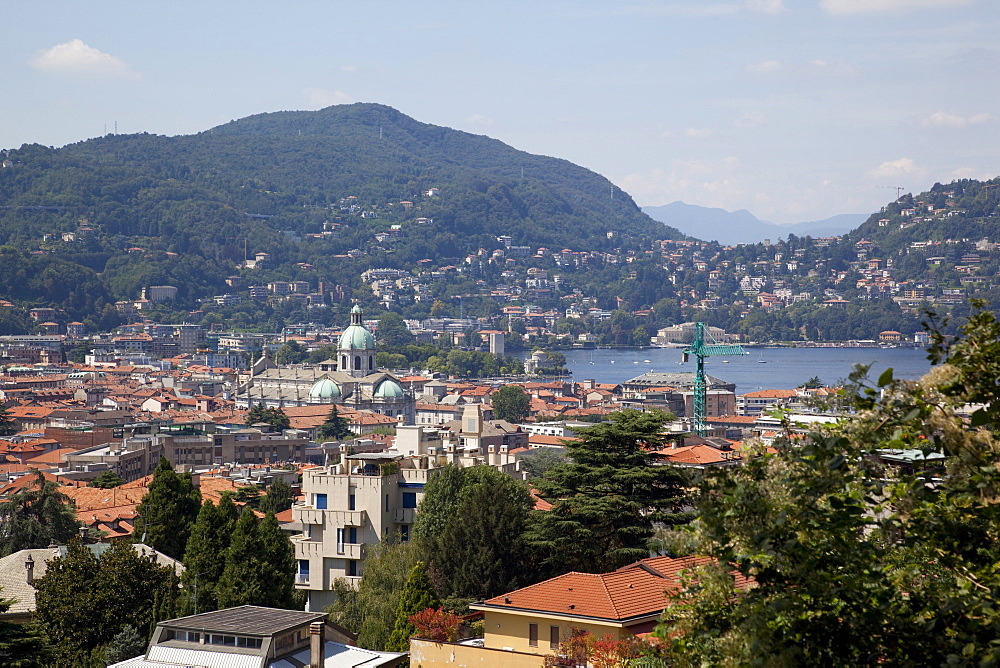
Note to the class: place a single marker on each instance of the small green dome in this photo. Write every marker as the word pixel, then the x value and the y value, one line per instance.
pixel 388 389
pixel 324 389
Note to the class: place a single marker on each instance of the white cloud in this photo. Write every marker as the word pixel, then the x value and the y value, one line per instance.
pixel 766 67
pixel 76 57
pixel 323 97
pixel 348 68
pixel 766 6
pixel 896 169
pixel 698 133
pixel 843 7
pixel 751 119
pixel 705 182
pixel 479 119
pixel 945 120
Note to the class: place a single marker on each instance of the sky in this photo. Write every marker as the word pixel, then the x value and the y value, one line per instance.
pixel 795 110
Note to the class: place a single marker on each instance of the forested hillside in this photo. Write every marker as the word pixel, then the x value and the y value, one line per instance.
pixel 143 209
pixel 474 226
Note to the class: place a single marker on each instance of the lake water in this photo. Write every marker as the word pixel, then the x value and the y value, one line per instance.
pixel 782 368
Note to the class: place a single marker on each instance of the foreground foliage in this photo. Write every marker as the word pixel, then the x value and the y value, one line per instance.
pixel 856 563
pixel 36 516
pixel 84 602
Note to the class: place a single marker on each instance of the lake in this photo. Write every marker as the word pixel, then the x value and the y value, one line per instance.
pixel 763 368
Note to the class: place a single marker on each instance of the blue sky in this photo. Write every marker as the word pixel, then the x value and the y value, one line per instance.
pixel 793 109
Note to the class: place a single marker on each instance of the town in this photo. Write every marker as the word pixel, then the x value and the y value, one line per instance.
pixel 352 448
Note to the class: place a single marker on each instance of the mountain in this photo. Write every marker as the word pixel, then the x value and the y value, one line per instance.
pixel 306 187
pixel 742 227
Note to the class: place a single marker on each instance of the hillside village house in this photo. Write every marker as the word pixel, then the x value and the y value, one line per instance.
pixel 369 497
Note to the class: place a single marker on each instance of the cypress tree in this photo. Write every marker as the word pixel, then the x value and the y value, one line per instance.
pixel 205 557
pixel 279 497
pixel 168 511
pixel 335 428
pixel 278 563
pixel 241 580
pixel 259 565
pixel 418 595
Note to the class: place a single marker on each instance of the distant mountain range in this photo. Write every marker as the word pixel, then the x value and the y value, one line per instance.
pixel 742 227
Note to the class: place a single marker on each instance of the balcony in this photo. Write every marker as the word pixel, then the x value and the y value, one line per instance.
pixel 310 515
pixel 351 551
pixel 404 515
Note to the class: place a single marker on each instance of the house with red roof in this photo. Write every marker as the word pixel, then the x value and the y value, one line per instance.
pixel 522 625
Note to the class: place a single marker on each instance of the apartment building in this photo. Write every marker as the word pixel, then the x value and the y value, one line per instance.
pixel 372 497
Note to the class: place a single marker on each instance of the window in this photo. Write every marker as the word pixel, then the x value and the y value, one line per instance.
pixel 321 501
pixel 351 502
pixel 386 503
pixel 409 499
pixel 553 637
pixel 352 535
pixel 340 541
pixel 371 363
pixel 352 567
pixel 357 362
pixel 532 635
pixel 303 570
pixel 404 532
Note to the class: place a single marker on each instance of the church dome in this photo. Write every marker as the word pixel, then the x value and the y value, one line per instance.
pixel 388 389
pixel 356 336
pixel 324 389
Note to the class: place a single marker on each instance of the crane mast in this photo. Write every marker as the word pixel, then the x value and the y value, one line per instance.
pixel 700 349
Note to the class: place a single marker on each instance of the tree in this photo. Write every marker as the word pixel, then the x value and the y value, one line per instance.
pixel 538 461
pixel 856 563
pixel 511 403
pixel 279 497
pixel 392 331
pixel 607 498
pixel 8 424
pixel 260 565
pixel 83 602
pixel 276 418
pixel 418 595
pixel 125 645
pixel 168 511
pixel 22 645
pixel 370 609
pixel 477 551
pixel 36 516
pixel 812 384
pixel 205 555
pixel 335 428
pixel 107 480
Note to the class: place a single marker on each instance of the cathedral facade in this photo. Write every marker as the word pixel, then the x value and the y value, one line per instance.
pixel 351 380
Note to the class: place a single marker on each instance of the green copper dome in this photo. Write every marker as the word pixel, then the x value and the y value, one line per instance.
pixel 388 389
pixel 324 389
pixel 357 336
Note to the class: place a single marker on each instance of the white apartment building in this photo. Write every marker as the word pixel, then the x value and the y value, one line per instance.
pixel 371 497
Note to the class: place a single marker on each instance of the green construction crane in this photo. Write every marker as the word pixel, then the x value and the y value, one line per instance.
pixel 701 350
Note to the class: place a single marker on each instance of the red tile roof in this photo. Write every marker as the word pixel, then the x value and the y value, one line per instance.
pixel 637 590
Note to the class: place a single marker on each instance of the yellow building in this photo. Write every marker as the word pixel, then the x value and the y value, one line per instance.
pixel 522 626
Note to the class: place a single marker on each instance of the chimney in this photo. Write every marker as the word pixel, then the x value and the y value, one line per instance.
pixel 29 566
pixel 317 631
